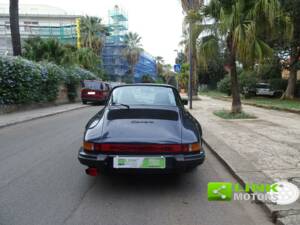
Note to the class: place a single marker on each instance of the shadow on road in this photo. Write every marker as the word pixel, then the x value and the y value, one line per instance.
pixel 145 183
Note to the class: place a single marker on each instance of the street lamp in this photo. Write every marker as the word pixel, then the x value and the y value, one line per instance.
pixel 190 94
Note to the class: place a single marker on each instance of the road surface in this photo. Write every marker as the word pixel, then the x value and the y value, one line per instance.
pixel 42 182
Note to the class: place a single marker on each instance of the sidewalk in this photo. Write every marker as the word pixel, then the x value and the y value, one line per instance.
pixel 265 149
pixel 19 117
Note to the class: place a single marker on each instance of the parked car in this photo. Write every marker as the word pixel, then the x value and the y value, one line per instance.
pixel 261 89
pixel 144 128
pixel 265 89
pixel 94 91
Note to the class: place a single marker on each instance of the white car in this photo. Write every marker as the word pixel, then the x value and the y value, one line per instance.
pixel 264 89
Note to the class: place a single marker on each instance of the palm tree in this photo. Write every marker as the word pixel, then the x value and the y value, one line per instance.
pixel 14 27
pixel 292 7
pixel 191 8
pixel 159 64
pixel 93 33
pixel 241 24
pixel 132 51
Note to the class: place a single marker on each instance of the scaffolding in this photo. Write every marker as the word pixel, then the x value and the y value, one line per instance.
pixel 65 34
pixel 114 63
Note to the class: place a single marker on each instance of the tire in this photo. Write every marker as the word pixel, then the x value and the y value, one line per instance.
pixel 84 102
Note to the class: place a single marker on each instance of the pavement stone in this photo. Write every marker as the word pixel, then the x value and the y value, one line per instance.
pixel 20 117
pixel 261 150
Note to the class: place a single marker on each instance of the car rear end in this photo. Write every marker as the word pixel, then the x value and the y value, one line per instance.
pixel 149 158
pixel 94 91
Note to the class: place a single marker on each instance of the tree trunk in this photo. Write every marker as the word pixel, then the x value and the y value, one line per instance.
pixel 195 74
pixel 236 106
pixel 291 88
pixel 194 60
pixel 14 27
pixel 132 74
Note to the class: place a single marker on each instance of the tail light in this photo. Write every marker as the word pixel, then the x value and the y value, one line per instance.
pixel 196 147
pixel 141 148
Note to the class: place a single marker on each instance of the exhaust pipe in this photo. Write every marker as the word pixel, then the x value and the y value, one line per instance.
pixel 91 172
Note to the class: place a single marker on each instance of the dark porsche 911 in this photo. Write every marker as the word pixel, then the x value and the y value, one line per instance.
pixel 143 127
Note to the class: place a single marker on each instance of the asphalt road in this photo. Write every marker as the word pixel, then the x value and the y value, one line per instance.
pixel 41 182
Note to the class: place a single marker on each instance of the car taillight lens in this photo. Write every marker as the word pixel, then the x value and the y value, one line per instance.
pixel 88 146
pixel 196 147
pixel 141 148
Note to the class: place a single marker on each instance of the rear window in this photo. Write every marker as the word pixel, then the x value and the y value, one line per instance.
pixel 263 86
pixel 144 95
pixel 93 85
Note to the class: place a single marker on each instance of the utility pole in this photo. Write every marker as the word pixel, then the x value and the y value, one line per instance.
pixel 191 61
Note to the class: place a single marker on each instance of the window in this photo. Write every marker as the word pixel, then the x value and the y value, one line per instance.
pixel 29 24
pixel 144 95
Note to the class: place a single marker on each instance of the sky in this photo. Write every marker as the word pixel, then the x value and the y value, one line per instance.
pixel 158 22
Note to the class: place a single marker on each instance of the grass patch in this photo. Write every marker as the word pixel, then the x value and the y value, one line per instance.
pixel 214 93
pixel 266 102
pixel 275 103
pixel 228 115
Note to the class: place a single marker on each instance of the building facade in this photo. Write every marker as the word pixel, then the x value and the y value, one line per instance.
pixel 114 63
pixel 38 20
pixel 52 22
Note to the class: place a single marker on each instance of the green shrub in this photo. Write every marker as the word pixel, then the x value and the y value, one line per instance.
pixel 56 76
pixel 224 85
pixel 72 80
pixel 20 81
pixel 247 80
pixel 278 84
pixel 23 81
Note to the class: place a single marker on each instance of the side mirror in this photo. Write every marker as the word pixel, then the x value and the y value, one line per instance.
pixel 184 101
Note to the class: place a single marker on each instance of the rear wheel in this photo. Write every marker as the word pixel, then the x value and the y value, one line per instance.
pixel 84 102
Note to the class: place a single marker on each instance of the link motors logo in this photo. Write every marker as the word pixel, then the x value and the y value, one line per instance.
pixel 280 193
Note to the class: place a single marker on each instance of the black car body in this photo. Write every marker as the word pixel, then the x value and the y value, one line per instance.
pixel 157 136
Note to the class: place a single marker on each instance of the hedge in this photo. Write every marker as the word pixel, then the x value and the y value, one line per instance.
pixel 23 81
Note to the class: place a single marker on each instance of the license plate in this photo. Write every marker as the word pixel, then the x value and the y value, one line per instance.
pixel 91 93
pixel 139 162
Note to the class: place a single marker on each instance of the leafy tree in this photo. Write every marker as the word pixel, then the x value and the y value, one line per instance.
pixel 93 33
pixel 183 77
pixel 132 51
pixel 14 27
pixel 87 59
pixel 51 50
pixel 191 8
pixel 292 9
pixel 159 65
pixel 242 24
pixel 38 49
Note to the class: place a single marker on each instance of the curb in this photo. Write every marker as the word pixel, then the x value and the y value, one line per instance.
pixel 245 172
pixel 41 116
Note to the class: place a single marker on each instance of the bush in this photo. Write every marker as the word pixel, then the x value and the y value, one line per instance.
pixel 23 81
pixel 247 80
pixel 73 77
pixel 278 84
pixel 224 85
pixel 50 84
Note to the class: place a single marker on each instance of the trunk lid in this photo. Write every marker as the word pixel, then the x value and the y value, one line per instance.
pixel 137 125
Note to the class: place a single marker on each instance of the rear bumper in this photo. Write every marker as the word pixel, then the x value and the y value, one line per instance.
pixel 179 162
pixel 93 99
